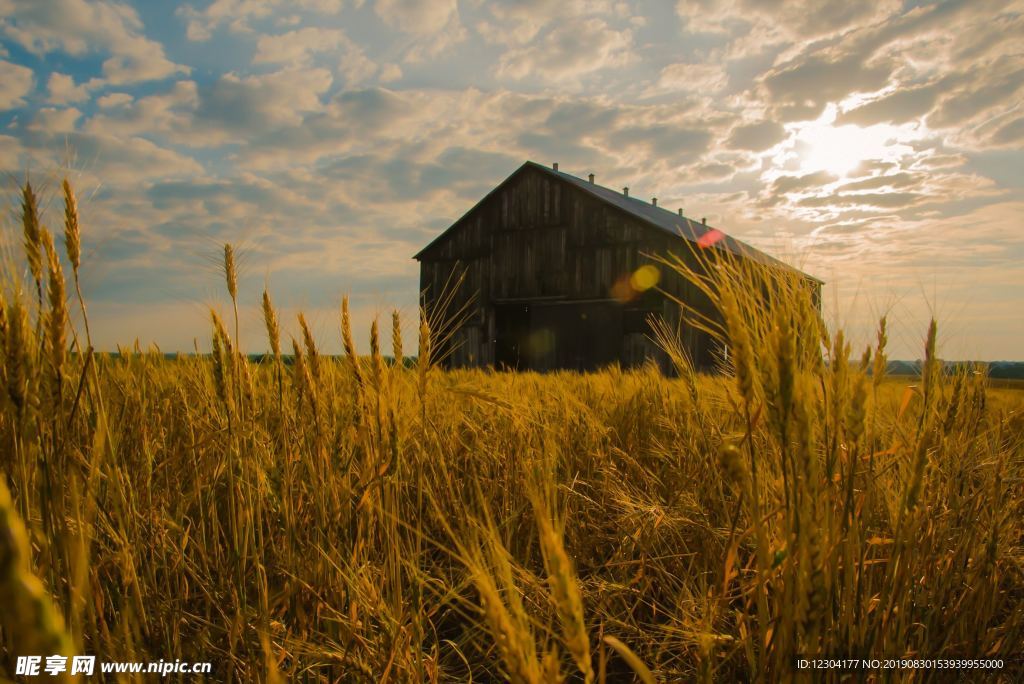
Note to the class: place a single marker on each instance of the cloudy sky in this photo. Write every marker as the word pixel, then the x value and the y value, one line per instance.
pixel 878 145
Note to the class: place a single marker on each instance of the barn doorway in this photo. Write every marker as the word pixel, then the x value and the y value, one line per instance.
pixel 511 332
pixel 580 336
pixel 583 335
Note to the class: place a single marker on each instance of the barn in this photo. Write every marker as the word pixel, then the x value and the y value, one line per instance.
pixel 541 275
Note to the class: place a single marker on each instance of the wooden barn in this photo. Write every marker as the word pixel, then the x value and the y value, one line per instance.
pixel 547 265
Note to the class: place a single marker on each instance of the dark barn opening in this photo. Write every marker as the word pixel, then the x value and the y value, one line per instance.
pixel 512 330
pixel 555 272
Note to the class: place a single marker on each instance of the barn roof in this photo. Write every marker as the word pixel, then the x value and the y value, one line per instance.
pixel 656 217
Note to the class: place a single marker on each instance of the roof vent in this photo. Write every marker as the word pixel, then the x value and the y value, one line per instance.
pixel 680 211
pixel 654 201
pixel 591 178
pixel 555 166
pixel 703 222
pixel 625 192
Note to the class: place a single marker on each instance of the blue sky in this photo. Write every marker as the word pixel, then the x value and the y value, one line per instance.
pixel 878 146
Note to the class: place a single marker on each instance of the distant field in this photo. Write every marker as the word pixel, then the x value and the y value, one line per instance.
pixel 345 519
pixel 993 383
pixel 1006 384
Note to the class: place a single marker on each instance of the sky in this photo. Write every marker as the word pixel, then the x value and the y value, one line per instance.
pixel 876 145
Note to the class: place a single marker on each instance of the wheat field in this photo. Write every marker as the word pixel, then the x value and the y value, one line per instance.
pixel 318 518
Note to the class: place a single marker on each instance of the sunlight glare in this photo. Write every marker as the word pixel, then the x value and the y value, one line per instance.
pixel 823 146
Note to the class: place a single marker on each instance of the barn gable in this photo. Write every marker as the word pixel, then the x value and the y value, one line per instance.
pixel 671 223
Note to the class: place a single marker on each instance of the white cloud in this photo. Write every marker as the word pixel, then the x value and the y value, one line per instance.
pixel 10 148
pixel 568 51
pixel 756 136
pixel 264 101
pixel 63 89
pixel 299 48
pixel 53 120
pixel 235 13
pixel 16 82
pixel 239 15
pixel 125 162
pixel 166 113
pixel 757 22
pixel 232 109
pixel 516 23
pixel 79 27
pixel 432 26
pixel 114 100
pixel 417 16
pixel 697 78
pixel 390 72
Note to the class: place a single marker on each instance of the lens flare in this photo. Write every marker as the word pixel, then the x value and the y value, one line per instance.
pixel 629 286
pixel 645 277
pixel 709 238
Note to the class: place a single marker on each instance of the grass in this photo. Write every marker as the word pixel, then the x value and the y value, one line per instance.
pixel 350 519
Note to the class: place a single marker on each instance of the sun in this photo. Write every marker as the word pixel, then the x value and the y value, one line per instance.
pixel 821 145
pixel 835 149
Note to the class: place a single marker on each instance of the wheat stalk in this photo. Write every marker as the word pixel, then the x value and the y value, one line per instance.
pixel 56 317
pixel 312 354
pixel 350 347
pixel 566 594
pixel 376 357
pixel 273 329
pixel 31 234
pixel 396 339
pixel 29 618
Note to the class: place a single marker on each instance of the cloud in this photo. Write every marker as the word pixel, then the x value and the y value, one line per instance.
pixel 299 48
pixel 239 105
pixel 787 184
pixel 53 120
pixel 434 25
pixel 1010 133
pixel 801 88
pixel 881 200
pixel 675 142
pixel 756 136
pixel 896 107
pixel 755 24
pixel 114 161
pixel 716 171
pixel 239 15
pixel 63 90
pixel 115 100
pixel 16 82
pixel 236 13
pixel 80 27
pixel 516 23
pixel 417 16
pixel 455 170
pixel 997 84
pixel 168 113
pixel 390 73
pixel 687 77
pixel 894 180
pixel 568 51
